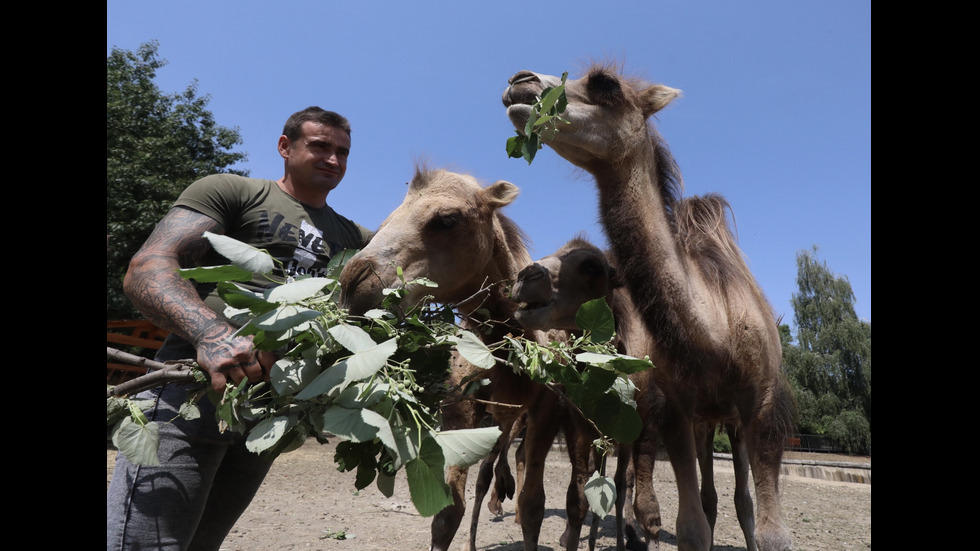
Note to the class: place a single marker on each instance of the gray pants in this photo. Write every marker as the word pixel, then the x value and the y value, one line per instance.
pixel 191 500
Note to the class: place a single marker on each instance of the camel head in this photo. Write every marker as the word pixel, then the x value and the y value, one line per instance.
pixel 551 290
pixel 607 113
pixel 449 230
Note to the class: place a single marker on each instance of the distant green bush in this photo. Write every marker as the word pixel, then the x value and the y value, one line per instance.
pixel 721 443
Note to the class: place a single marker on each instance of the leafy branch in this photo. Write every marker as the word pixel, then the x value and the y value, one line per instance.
pixel 542 124
pixel 375 381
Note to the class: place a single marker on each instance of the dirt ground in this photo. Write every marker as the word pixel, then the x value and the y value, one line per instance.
pixel 306 504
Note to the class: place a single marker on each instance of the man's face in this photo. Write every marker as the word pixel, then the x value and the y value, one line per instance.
pixel 317 159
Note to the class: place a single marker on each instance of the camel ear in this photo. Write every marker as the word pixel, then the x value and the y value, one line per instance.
pixel 657 97
pixel 501 193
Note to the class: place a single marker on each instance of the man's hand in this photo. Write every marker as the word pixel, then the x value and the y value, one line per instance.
pixel 233 359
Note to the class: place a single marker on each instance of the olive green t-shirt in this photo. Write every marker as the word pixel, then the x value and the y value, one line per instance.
pixel 258 212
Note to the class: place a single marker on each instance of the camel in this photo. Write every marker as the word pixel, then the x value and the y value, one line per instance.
pixel 717 346
pixel 551 291
pixel 451 230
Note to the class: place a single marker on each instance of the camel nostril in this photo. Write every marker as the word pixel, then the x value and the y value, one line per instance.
pixel 531 273
pixel 522 76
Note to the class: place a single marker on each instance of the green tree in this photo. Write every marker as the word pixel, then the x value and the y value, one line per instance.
pixel 156 145
pixel 829 367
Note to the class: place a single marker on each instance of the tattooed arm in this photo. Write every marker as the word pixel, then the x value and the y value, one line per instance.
pixel 172 302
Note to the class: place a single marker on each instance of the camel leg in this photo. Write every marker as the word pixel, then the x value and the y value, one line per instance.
pixel 623 460
pixel 446 522
pixel 765 449
pixel 705 435
pixel 743 499
pixel 504 485
pixel 580 437
pixel 693 531
pixel 542 427
pixel 520 463
pixel 645 504
pixel 484 477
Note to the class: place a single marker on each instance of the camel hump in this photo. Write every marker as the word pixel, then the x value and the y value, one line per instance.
pixel 703 231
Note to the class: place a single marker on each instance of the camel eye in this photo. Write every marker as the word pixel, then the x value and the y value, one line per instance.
pixel 443 222
pixel 604 89
pixel 591 267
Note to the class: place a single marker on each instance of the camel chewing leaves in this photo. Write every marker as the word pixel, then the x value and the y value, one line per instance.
pixel 541 124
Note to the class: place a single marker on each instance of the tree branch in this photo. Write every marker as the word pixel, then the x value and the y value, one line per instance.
pixel 161 374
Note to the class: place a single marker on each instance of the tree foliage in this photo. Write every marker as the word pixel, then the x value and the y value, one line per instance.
pixel 829 367
pixel 156 145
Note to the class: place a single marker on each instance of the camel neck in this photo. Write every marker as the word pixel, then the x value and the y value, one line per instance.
pixel 660 277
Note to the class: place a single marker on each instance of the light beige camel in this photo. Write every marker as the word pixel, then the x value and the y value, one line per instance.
pixel 451 230
pixel 551 292
pixel 717 347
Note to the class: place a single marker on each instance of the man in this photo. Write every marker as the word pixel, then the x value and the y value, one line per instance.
pixel 207 479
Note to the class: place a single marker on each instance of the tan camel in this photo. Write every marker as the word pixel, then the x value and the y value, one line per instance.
pixel 717 347
pixel 451 230
pixel 551 292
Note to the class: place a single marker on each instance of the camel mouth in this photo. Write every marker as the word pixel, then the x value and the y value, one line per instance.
pixel 523 89
pixel 533 306
pixel 530 305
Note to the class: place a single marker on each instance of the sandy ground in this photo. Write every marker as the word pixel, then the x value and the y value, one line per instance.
pixel 305 503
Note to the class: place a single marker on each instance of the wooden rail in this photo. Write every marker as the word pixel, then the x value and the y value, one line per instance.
pixel 131 333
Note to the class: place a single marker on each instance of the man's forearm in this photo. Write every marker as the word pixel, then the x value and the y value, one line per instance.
pixel 159 292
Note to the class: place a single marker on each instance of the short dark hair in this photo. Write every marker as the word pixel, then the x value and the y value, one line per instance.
pixel 315 114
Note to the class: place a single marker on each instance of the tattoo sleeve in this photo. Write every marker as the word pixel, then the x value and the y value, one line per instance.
pixel 155 287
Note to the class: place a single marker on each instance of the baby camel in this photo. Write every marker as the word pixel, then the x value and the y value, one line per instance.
pixel 551 291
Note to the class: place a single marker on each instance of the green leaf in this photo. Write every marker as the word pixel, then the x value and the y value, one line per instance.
pixel 467 446
pixel 529 126
pixel 386 484
pixel 515 146
pixel 351 337
pixel 283 318
pixel 628 365
pixel 327 382
pixel 290 375
pixel 426 482
pixel 615 419
pixel 543 120
pixel 600 491
pixel 298 290
pixel 242 255
pixel 367 470
pixel 189 411
pixel 268 432
pixel 139 443
pixel 358 425
pixel 532 147
pixel 471 348
pixel 596 317
pixel 216 274
pixel 366 363
pixel 239 297
pixel 550 98
pixel 361 365
pixel 402 440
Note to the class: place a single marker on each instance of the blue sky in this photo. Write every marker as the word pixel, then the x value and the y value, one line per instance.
pixel 775 113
